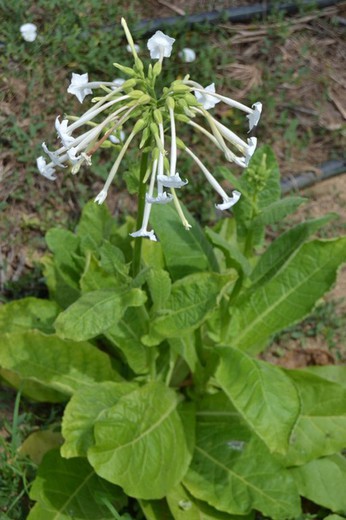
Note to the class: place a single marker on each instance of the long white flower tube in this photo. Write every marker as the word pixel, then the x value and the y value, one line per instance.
pixel 228 202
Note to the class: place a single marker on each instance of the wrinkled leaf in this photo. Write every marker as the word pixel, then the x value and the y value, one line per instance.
pixel 278 252
pixel 232 470
pixel 185 507
pixel 288 297
pixel 278 210
pixel 185 251
pixel 262 393
pixel 61 365
pixel 323 481
pixel 28 313
pixel 140 443
pixel 83 410
pixel 66 489
pixel 192 299
pixel 95 312
pixel 321 425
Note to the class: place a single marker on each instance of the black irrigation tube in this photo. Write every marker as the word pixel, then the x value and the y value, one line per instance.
pixel 244 13
pixel 248 13
pixel 328 170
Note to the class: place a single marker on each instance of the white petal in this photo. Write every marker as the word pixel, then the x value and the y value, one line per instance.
pixel 79 86
pixel 145 234
pixel 206 100
pixel 160 45
pixel 45 169
pixel 164 198
pixel 230 201
pixel 101 197
pixel 252 143
pixel 28 32
pixel 118 82
pixel 54 157
pixel 254 117
pixel 171 181
pixel 187 55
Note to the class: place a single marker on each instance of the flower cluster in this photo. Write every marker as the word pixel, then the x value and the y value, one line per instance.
pixel 131 108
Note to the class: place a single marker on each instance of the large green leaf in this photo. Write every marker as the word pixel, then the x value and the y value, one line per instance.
pixel 95 312
pixel 323 481
pixel 185 251
pixel 61 365
pixel 288 297
pixel 321 425
pixel 234 256
pixel 277 211
pixel 262 393
pixel 62 273
pixel 96 224
pixel 28 313
pixel 159 284
pixel 125 336
pixel 334 373
pixel 275 256
pixel 66 489
pixel 185 507
pixel 232 470
pixel 192 299
pixel 96 278
pixel 140 443
pixel 83 410
pixel 185 347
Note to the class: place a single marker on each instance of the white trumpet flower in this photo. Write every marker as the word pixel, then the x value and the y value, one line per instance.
pixel 160 46
pixel 171 181
pixel 205 96
pixel 45 169
pixel 79 86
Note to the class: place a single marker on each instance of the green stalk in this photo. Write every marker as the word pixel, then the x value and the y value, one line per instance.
pixel 136 262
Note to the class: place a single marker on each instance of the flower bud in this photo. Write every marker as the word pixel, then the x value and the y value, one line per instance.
pixel 158 116
pixel 140 125
pixel 170 102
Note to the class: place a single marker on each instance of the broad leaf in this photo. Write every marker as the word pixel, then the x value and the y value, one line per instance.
pixel 140 443
pixel 95 277
pixel 39 443
pixel 96 224
pixel 159 284
pixel 321 425
pixel 125 336
pixel 323 481
pixel 28 313
pixel 185 347
pixel 83 410
pixel 262 393
pixel 288 297
pixel 277 211
pixel 233 470
pixel 185 251
pixel 334 373
pixel 57 364
pixel 66 489
pixel 234 256
pixel 185 507
pixel 95 312
pixel 278 252
pixel 192 299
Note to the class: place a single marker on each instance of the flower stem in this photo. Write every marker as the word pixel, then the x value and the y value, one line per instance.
pixel 136 262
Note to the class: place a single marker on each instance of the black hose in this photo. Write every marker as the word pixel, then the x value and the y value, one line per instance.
pixel 304 180
pixel 244 13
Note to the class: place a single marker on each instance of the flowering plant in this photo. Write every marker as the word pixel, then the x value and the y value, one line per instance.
pixel 169 414
pixel 135 104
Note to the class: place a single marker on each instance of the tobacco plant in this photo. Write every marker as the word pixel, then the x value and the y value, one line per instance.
pixel 170 414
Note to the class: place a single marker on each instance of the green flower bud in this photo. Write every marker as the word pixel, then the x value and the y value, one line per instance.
pixel 125 70
pixel 157 68
pixel 135 94
pixel 182 118
pixel 140 125
pixel 170 102
pixel 191 100
pixel 158 116
pixel 145 136
pixel 180 144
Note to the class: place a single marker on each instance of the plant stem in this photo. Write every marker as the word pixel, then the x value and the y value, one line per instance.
pixel 136 262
